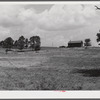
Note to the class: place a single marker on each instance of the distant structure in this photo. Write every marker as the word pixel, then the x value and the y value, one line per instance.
pixel 75 43
pixel 62 46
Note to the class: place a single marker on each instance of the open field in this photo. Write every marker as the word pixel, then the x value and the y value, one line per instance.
pixel 51 69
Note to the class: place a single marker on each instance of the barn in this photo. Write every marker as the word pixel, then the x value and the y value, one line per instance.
pixel 75 43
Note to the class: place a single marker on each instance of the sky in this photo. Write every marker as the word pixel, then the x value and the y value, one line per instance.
pixel 56 24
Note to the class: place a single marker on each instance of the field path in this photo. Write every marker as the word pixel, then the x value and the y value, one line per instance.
pixel 25 60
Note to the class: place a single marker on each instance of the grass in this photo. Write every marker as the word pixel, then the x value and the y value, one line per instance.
pixel 51 69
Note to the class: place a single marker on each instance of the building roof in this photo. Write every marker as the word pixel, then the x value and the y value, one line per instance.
pixel 76 41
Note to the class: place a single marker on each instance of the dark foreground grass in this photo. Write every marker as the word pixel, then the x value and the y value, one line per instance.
pixel 66 69
pixel 28 79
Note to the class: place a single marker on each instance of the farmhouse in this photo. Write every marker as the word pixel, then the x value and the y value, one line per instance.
pixel 75 43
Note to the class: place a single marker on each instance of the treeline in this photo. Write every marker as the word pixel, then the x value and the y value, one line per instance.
pixel 33 42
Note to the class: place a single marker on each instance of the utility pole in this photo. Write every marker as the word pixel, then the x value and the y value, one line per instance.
pixel 52 44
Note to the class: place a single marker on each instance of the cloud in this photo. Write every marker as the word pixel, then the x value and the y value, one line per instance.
pixel 4 32
pixel 57 24
pixel 59 17
pixel 17 19
pixel 8 15
pixel 64 17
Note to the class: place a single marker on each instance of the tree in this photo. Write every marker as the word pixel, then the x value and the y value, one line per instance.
pixel 21 42
pixel 97 8
pixel 15 44
pixel 26 42
pixel 87 42
pixel 1 43
pixel 8 43
pixel 35 43
pixel 98 38
pixel 32 42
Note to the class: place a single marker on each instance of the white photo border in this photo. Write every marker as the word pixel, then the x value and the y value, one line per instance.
pixel 55 94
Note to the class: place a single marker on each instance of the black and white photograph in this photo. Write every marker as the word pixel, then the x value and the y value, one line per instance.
pixel 50 46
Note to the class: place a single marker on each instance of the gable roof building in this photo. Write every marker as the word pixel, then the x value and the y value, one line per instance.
pixel 75 43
